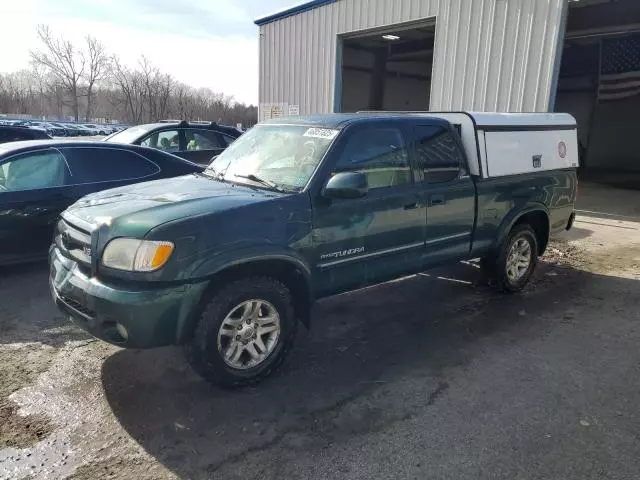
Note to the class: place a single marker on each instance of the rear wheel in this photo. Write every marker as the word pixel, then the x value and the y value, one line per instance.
pixel 244 332
pixel 513 266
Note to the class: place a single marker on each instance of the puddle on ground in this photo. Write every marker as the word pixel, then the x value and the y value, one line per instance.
pixel 63 420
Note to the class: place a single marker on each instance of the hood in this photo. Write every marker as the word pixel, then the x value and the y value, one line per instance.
pixel 147 205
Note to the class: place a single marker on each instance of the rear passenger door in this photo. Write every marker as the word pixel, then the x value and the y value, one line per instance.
pixel 170 140
pixel 380 236
pixel 100 168
pixel 450 193
pixel 202 145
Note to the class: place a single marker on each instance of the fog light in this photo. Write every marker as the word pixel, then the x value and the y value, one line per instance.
pixel 122 331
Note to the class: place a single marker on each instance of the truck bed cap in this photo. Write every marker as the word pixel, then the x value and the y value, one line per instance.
pixel 491 119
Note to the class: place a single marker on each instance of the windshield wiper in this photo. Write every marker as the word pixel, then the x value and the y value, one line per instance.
pixel 214 174
pixel 262 181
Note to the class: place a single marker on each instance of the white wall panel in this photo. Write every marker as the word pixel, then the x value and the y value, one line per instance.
pixel 490 55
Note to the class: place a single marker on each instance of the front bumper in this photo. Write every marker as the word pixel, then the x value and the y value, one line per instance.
pixel 152 317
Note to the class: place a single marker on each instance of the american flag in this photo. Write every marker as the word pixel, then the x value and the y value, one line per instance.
pixel 620 76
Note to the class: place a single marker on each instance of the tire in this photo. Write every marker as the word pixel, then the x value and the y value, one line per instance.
pixel 503 269
pixel 206 349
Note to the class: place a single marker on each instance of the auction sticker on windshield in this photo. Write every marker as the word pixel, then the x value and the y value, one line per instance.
pixel 326 133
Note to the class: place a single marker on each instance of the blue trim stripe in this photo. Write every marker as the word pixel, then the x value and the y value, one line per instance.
pixel 289 12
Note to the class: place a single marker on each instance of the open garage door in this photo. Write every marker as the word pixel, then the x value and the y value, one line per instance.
pixel 600 83
pixel 387 70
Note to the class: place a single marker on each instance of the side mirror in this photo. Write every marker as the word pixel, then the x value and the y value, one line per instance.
pixel 347 185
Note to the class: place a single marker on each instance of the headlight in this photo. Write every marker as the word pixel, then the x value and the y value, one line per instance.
pixel 136 255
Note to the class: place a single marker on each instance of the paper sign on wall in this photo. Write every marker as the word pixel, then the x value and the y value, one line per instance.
pixel 272 110
pixel 277 111
pixel 294 110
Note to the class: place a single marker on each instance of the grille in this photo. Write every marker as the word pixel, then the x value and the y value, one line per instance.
pixel 71 303
pixel 74 242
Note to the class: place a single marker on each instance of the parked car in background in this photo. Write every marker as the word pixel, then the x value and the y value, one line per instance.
pixel 11 133
pixel 72 129
pixel 67 131
pixel 197 142
pixel 84 131
pixel 39 179
pixel 99 129
pixel 49 129
pixel 34 124
pixel 55 130
pixel 115 131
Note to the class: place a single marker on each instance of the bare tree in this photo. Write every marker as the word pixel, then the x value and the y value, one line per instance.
pixel 64 79
pixel 158 88
pixel 130 85
pixel 97 62
pixel 64 62
pixel 183 105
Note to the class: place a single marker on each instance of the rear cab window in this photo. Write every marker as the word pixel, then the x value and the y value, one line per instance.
pixel 438 153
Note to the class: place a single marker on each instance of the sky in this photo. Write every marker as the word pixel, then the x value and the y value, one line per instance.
pixel 204 43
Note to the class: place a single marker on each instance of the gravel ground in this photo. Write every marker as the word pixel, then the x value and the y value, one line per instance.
pixel 433 376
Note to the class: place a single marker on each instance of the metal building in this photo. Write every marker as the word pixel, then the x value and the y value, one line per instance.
pixel 577 56
pixel 488 55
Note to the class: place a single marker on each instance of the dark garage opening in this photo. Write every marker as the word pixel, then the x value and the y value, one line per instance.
pixel 388 70
pixel 600 84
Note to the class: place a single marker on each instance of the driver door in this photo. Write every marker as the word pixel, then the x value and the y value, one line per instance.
pixel 33 193
pixel 367 240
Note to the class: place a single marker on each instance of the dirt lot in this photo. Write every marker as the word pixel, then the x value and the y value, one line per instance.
pixel 434 376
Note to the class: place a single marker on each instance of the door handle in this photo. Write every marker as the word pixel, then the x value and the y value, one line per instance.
pixel 437 200
pixel 411 206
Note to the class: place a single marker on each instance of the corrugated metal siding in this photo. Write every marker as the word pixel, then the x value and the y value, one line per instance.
pixel 490 55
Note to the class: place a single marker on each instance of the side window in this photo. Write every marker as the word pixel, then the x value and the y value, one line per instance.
pixel 167 140
pixel 202 140
pixel 92 165
pixel 33 170
pixel 228 140
pixel 439 155
pixel 380 153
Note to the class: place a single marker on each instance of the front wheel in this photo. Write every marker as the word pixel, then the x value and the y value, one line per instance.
pixel 244 332
pixel 516 260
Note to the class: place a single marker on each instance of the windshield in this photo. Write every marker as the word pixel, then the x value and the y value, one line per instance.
pixel 282 155
pixel 128 135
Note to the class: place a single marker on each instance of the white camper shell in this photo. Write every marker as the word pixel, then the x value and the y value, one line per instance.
pixel 501 144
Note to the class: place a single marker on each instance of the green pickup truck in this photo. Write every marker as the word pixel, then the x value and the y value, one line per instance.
pixel 228 261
